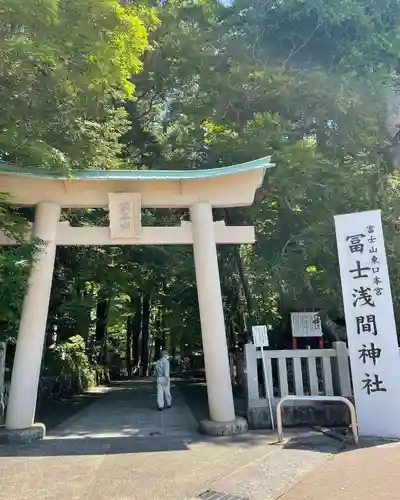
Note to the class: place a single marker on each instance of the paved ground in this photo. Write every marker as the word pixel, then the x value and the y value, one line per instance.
pixel 121 448
pixel 369 473
pixel 193 387
pixel 53 413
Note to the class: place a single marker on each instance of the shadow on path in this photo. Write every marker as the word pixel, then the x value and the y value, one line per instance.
pixel 53 446
pixel 194 391
pixel 93 446
pixel 121 447
pixel 54 413
pixel 125 421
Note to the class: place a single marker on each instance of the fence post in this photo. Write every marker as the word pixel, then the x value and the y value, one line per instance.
pixel 3 347
pixel 250 353
pixel 343 369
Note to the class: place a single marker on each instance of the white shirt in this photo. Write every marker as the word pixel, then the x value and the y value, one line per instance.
pixel 162 368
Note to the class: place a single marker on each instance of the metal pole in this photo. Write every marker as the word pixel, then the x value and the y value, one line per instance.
pixel 279 429
pixel 340 399
pixel 267 394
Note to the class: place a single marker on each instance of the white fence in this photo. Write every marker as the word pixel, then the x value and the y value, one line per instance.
pixel 314 372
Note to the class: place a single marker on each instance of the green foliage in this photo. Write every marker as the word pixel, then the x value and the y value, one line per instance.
pixel 301 80
pixel 70 358
pixel 15 264
pixel 63 65
pixel 356 38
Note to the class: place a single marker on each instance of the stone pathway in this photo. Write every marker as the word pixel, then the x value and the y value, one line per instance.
pixel 122 448
pixel 129 410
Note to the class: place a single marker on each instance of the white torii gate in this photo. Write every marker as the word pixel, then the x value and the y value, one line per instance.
pixel 125 193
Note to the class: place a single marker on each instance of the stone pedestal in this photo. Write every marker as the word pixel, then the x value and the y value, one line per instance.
pixel 211 428
pixel 22 436
pixel 304 413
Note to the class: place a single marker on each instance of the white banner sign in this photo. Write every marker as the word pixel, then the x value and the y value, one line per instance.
pixel 306 324
pixel 260 336
pixel 125 215
pixel 370 323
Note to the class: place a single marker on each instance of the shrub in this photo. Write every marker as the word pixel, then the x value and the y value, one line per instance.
pixel 70 358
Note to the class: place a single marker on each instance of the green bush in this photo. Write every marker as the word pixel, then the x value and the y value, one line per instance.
pixel 70 358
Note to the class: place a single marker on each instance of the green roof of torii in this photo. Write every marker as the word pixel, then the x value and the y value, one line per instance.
pixel 40 173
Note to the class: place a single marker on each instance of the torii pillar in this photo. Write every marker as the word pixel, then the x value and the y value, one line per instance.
pixel 216 360
pixel 125 193
pixel 31 335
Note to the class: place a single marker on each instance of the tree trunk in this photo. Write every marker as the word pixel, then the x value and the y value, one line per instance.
pixel 251 306
pixel 83 319
pixel 157 348
pixel 86 320
pixel 238 310
pixel 129 346
pixel 164 340
pixel 145 334
pixel 101 318
pixel 136 325
pixel 102 310
pixel 234 218
pixel 337 332
pixel 228 298
pixel 158 342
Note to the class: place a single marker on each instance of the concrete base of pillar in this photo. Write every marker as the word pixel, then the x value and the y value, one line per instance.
pixel 238 426
pixel 22 436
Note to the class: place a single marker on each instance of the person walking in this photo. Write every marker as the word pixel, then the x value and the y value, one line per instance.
pixel 163 381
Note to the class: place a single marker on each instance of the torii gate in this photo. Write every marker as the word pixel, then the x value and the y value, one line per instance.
pixel 125 193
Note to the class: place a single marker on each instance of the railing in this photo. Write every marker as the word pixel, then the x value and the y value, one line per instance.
pixel 324 399
pixel 313 372
pixel 307 374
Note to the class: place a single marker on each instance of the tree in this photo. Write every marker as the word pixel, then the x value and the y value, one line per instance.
pixel 293 80
pixel 63 65
pixel 298 80
pixel 15 263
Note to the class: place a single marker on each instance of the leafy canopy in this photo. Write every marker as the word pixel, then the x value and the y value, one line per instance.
pixel 63 64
